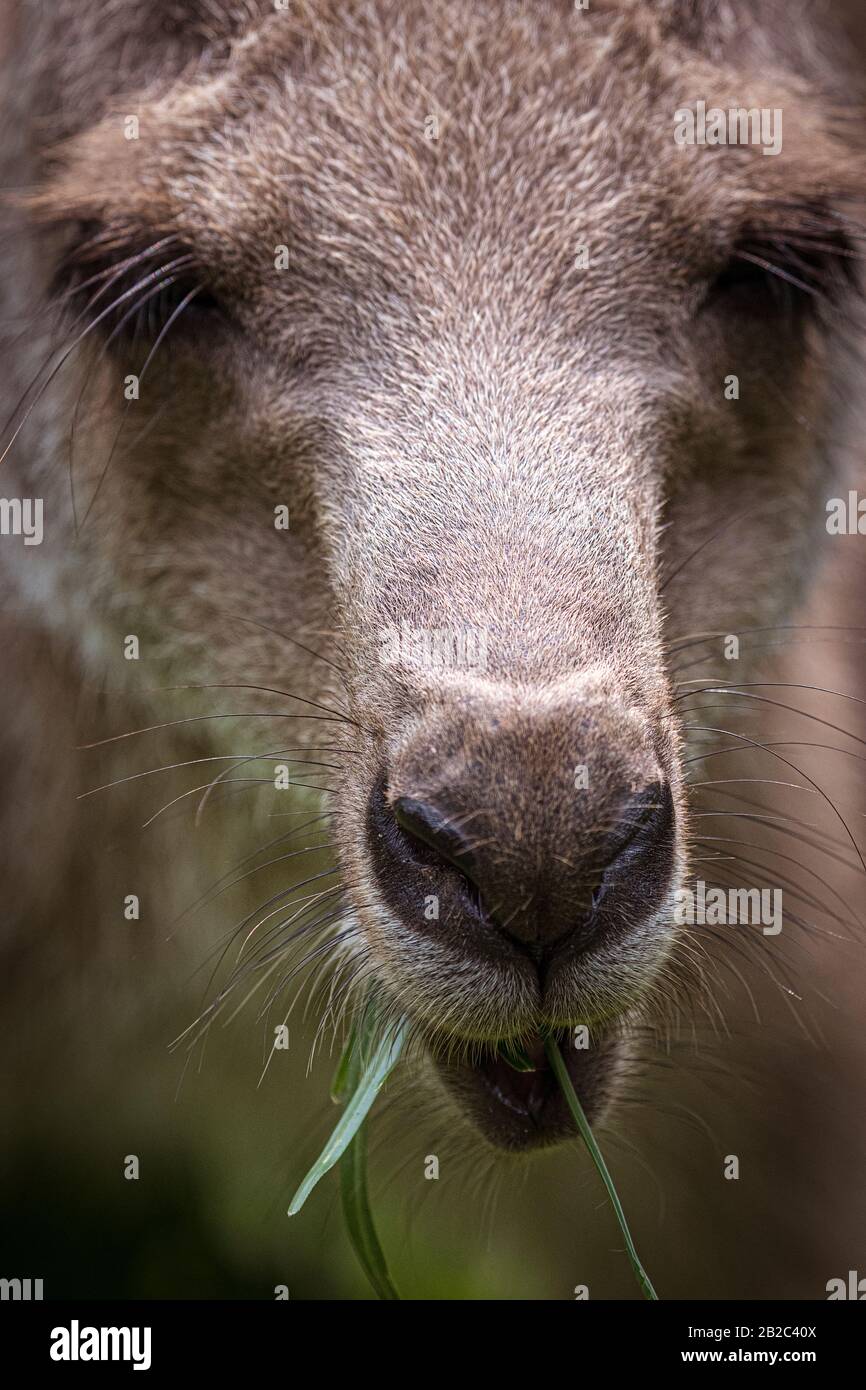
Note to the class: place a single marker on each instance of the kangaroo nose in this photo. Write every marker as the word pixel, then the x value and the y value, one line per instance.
pixel 524 825
pixel 540 900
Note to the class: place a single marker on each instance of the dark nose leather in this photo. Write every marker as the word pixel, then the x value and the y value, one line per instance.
pixel 437 830
pixel 537 900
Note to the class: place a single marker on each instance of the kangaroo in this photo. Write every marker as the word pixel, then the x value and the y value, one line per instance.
pixel 408 390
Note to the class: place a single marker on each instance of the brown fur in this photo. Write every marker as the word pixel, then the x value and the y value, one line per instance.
pixel 469 431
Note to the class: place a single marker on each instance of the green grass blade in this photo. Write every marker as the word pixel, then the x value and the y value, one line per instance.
pixel 341 1081
pixel 374 1075
pixel 515 1056
pixel 359 1218
pixel 554 1056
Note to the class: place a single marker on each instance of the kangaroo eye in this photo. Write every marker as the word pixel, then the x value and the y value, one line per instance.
pixel 140 295
pixel 795 272
pixel 754 271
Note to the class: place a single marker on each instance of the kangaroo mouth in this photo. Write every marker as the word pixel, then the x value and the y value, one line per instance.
pixel 512 1095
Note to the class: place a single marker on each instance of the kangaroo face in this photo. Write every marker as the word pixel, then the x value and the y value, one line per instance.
pixel 452 294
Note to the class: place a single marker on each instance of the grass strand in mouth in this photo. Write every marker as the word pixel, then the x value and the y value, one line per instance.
pixel 371 1078
pixel 353 1190
pixel 560 1071
pixel 361 1081
pixel 359 1218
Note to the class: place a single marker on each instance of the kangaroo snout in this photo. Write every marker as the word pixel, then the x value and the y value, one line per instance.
pixel 530 837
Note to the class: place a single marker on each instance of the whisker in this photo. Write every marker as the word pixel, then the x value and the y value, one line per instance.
pixel 234 781
pixel 163 333
pixel 136 289
pixel 202 718
pixel 193 762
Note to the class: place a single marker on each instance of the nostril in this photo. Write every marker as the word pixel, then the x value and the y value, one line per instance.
pixel 645 832
pixel 409 834
pixel 649 818
pixel 429 825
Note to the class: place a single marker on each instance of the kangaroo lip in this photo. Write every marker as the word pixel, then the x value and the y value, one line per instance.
pixel 517 1109
pixel 525 1092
